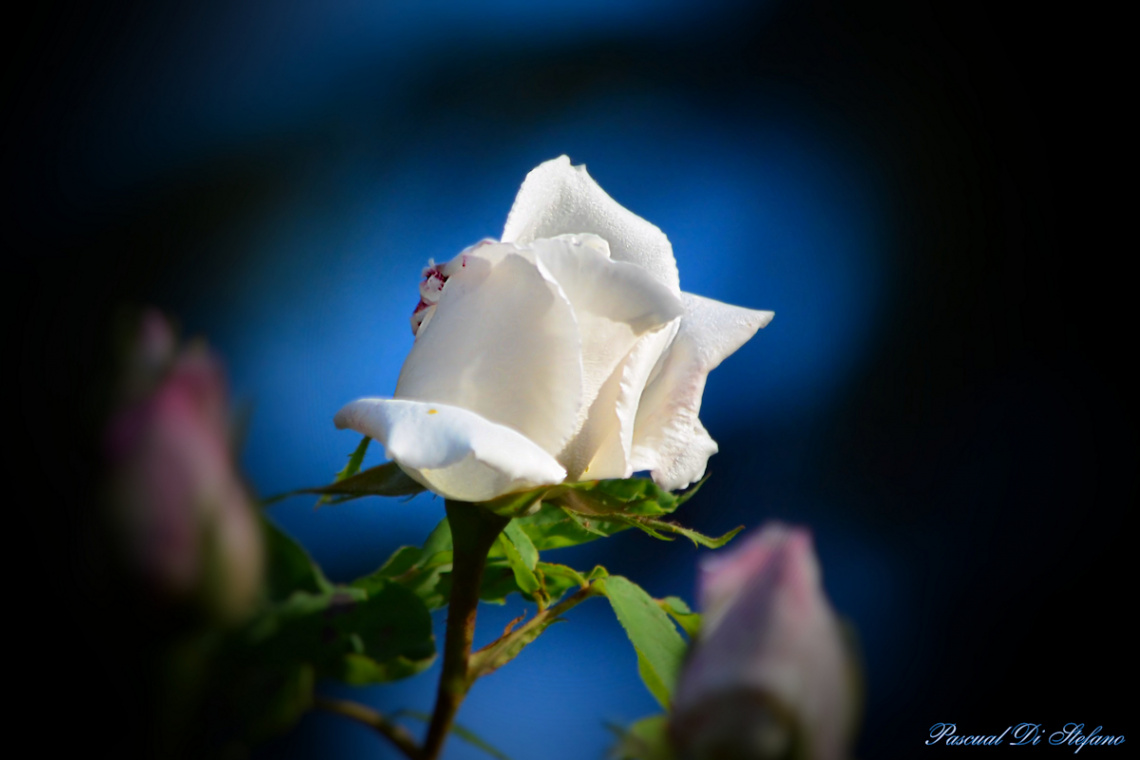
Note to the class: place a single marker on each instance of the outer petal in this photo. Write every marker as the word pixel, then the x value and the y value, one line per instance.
pixel 616 304
pixel 557 198
pixel 503 343
pixel 668 437
pixel 614 413
pixel 452 451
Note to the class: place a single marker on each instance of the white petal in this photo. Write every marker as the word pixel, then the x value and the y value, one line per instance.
pixel 668 436
pixel 452 451
pixel 503 342
pixel 614 412
pixel 615 304
pixel 557 198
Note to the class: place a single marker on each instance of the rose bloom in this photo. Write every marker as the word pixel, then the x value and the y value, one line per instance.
pixel 567 351
pixel 769 675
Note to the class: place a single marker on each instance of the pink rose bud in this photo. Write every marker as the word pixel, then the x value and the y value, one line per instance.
pixel 769 675
pixel 188 526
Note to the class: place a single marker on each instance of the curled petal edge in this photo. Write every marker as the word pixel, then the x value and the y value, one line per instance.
pixel 557 198
pixel 668 438
pixel 454 452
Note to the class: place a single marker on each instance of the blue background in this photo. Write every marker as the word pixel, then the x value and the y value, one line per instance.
pixel 942 396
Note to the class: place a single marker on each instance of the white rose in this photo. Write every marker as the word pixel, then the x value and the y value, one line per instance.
pixel 565 352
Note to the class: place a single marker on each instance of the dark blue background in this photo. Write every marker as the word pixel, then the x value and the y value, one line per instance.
pixel 918 192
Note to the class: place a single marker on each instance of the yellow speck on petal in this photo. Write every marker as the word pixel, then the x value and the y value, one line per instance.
pixel 433 411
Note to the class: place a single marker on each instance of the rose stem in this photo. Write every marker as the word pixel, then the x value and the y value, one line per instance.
pixel 473 533
pixel 374 720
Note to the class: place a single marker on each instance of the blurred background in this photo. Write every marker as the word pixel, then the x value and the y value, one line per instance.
pixel 919 191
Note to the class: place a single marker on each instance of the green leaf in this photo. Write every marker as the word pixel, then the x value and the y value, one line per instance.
pixel 558 579
pixel 288 566
pixel 361 670
pixel 689 621
pixel 527 552
pixel 465 734
pixel 423 571
pixel 647 739
pixel 308 628
pixel 521 557
pixel 553 570
pixel 498 582
pixel 660 649
pixel 355 460
pixel 439 540
pixel 357 635
pixel 403 561
pixel 265 698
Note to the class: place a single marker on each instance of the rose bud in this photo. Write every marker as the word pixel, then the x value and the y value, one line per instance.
pixel 768 676
pixel 185 519
pixel 565 351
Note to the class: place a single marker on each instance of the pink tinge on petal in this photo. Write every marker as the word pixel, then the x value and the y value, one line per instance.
pixel 432 285
pixel 420 315
pixel 435 277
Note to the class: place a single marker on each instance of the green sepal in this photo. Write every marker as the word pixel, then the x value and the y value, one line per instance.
pixel 628 496
pixel 658 529
pixel 576 513
pixel 660 649
pixel 498 653
pixel 355 460
pixel 517 504
pixel 383 480
pixel 554 527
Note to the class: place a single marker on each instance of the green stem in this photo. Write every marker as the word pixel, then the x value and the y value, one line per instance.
pixel 374 720
pixel 473 533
